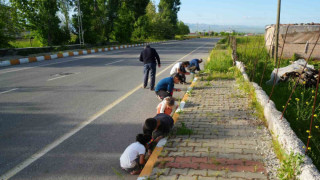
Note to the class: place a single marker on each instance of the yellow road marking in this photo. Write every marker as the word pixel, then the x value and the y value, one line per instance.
pixel 64 137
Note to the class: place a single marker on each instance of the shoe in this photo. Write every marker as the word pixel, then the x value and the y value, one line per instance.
pixel 144 87
pixel 151 89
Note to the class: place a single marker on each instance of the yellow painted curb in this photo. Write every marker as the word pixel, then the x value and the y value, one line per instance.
pixel 147 170
pixel 71 54
pixel 14 61
pixel 47 57
pixel 60 55
pixel 80 52
pixel 32 59
pixel 88 51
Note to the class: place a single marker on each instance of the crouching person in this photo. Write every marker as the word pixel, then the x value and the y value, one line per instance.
pixel 133 158
pixel 158 127
pixel 165 87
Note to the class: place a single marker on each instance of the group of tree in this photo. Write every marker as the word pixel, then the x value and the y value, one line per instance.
pixel 102 20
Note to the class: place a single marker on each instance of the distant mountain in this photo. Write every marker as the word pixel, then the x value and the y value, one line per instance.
pixel 220 28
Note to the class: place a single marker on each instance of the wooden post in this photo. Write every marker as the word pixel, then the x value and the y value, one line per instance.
pixel 277 33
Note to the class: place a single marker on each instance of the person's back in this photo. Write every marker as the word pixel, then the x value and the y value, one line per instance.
pixel 149 55
pixel 166 84
pixel 127 159
pixel 166 123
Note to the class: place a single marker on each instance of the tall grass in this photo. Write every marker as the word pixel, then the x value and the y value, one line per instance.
pixel 251 51
pixel 24 43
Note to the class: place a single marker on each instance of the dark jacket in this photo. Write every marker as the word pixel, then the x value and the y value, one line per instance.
pixel 166 123
pixel 149 55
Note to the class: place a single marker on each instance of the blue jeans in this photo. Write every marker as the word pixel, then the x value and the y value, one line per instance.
pixel 146 69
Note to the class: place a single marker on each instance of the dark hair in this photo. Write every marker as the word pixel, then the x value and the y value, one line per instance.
pixel 149 125
pixel 147 46
pixel 177 75
pixel 200 60
pixel 170 101
pixel 186 63
pixel 143 138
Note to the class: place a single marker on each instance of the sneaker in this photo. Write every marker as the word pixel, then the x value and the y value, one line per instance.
pixel 151 89
pixel 144 87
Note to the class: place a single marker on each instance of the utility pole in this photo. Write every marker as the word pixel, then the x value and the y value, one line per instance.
pixel 81 39
pixel 277 32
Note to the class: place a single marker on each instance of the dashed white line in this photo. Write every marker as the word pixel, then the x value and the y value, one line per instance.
pixel 62 76
pixel 9 90
pixel 114 62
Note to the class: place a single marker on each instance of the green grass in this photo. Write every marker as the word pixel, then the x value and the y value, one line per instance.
pixel 183 130
pixel 298 113
pixel 23 43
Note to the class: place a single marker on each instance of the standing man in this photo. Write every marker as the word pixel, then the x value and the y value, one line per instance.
pixel 149 56
pixel 194 65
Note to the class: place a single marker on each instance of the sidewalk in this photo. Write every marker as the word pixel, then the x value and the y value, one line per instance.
pixel 227 140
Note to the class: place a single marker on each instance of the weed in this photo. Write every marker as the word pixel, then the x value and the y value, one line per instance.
pixel 290 167
pixel 183 130
pixel 118 174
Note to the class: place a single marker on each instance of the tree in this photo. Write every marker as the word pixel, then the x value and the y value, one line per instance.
pixel 10 24
pixel 182 28
pixel 41 17
pixel 168 9
pixel 124 24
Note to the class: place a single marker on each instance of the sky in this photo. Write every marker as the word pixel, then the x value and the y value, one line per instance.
pixel 248 12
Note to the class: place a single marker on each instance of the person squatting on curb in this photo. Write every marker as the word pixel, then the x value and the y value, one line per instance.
pixel 149 56
pixel 132 159
pixel 194 65
pixel 165 87
pixel 158 127
pixel 167 106
pixel 180 68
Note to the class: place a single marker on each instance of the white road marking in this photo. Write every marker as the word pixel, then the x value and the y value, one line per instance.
pixel 64 137
pixel 9 90
pixel 78 58
pixel 114 62
pixel 62 76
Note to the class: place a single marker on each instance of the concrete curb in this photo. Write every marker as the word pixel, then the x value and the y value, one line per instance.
pixel 147 170
pixel 68 54
pixel 282 130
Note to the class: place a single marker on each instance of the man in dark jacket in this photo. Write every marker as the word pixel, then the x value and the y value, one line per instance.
pixel 149 56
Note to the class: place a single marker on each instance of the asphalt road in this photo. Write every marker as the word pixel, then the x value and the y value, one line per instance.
pixel 72 118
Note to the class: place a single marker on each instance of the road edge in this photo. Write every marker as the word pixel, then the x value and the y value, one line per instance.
pixel 147 170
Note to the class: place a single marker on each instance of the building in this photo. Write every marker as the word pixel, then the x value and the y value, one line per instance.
pixel 300 39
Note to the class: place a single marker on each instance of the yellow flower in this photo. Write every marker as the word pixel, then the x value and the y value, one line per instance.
pixel 307 131
pixel 317 127
pixel 309 148
pixel 303 147
pixel 315 115
pixel 307 103
pixel 312 97
pixel 309 137
pixel 297 99
pixel 304 82
pixel 288 104
pixel 297 119
pixel 282 106
pixel 312 91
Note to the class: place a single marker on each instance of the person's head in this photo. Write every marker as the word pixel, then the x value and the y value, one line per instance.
pixel 177 78
pixel 185 63
pixel 170 101
pixel 149 125
pixel 200 60
pixel 147 46
pixel 143 138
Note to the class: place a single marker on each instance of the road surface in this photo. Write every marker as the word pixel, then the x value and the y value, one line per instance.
pixel 72 118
